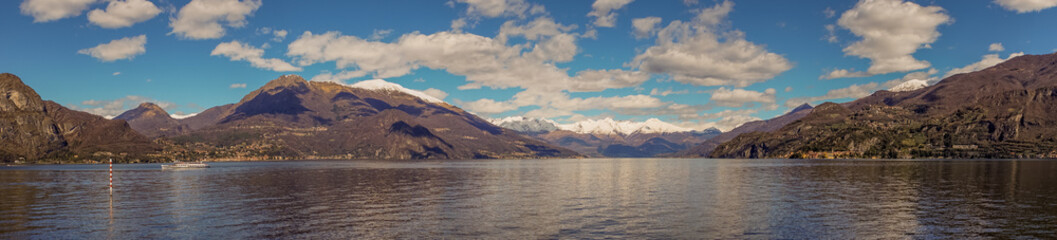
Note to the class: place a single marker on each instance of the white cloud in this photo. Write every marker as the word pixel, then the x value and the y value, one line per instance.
pixel 829 12
pixel 116 73
pixel 789 89
pixel 119 14
pixel 854 91
pixel 727 119
pixel 378 34
pixel 238 51
pixel 891 31
pixel 437 93
pixel 740 97
pixel 986 61
pixel 484 62
pixel 658 92
pixel 51 10
pixel 645 27
pixel 237 85
pixel 487 106
pixel 996 47
pixel 602 10
pixel 125 48
pixel 831 33
pixel 844 73
pixel 1023 6
pixel 598 80
pixel 200 19
pixel 698 53
pixel 111 108
pixel 495 8
pixel 338 77
pixel 277 34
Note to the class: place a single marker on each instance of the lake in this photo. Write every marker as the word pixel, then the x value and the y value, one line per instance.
pixel 561 198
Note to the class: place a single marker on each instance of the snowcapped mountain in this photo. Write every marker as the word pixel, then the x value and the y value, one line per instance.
pixel 382 85
pixel 910 85
pixel 526 125
pixel 612 127
pixel 606 126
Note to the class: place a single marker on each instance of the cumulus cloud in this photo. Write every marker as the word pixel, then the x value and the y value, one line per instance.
pixel 740 97
pixel 237 85
pixel 238 51
pixel 119 14
pixel 437 93
pixel 891 31
pixel 111 108
pixel 51 10
pixel 844 73
pixel 831 33
pixel 698 53
pixel 658 92
pixel 996 47
pixel 487 106
pixel 723 120
pixel 1024 6
pixel 278 35
pixel 200 19
pixel 854 91
pixel 602 11
pixel 338 77
pixel 598 80
pixel 125 48
pixel 378 34
pixel 645 27
pixel 986 61
pixel 496 8
pixel 116 73
pixel 484 62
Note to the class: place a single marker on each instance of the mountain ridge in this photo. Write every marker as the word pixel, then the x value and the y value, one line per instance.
pixel 1006 111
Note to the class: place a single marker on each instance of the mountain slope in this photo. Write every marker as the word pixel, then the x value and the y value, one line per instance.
pixel 1006 111
pixel 609 138
pixel 769 125
pixel 34 130
pixel 152 121
pixel 293 118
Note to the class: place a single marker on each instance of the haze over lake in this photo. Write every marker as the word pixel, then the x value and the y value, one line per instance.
pixel 562 198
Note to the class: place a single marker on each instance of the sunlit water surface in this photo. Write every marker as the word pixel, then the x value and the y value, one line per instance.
pixel 579 198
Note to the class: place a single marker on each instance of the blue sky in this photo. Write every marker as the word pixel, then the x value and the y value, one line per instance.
pixel 697 64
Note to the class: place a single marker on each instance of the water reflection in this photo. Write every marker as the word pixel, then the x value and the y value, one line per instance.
pixel 582 198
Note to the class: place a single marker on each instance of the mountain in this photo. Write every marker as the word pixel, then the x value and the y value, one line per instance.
pixel 910 85
pixel 610 138
pixel 293 118
pixel 526 125
pixel 152 121
pixel 34 130
pixel 770 125
pixel 1005 111
pixel 611 127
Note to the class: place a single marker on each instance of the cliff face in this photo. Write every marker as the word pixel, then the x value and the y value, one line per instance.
pixel 32 130
pixel 1006 111
pixel 26 131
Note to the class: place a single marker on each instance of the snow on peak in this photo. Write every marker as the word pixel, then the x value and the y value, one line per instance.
pixel 909 85
pixel 525 125
pixel 610 126
pixel 382 85
pixel 182 116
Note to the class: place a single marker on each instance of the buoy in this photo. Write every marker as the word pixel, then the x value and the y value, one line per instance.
pixel 111 176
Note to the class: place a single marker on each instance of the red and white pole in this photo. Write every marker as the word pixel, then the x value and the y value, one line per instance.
pixel 111 176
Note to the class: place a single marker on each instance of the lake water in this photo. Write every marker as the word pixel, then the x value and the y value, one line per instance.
pixel 578 198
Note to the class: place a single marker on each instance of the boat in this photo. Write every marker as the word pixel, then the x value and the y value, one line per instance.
pixel 178 165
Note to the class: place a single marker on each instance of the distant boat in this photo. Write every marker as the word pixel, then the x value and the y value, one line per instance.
pixel 179 165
